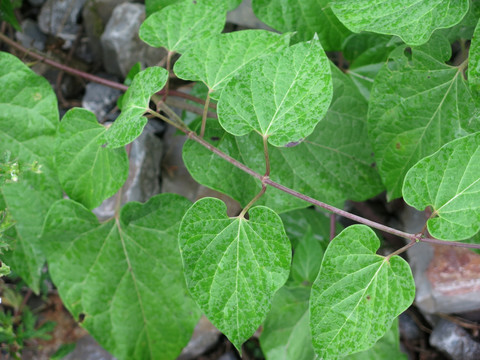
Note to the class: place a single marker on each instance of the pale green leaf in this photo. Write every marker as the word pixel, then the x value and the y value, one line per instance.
pixel 281 96
pixel 124 277
pixel 413 20
pixel 465 28
pixel 357 294
pixel 307 259
pixel 215 60
pixel 474 61
pixel 152 6
pixel 180 25
pixel 233 266
pixel 29 120
pixel 388 347
pixel 305 17
pixel 129 125
pixel 286 334
pixel 332 164
pixel 89 172
pixel 418 103
pixel 449 182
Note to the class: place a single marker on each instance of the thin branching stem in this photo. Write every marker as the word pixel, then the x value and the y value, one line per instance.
pixel 253 201
pixel 267 157
pixel 204 115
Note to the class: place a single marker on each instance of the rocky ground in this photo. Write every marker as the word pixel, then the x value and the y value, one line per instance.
pixel 100 37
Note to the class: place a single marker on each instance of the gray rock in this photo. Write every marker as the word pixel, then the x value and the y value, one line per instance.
pixel 144 175
pixel 244 16
pixel 454 341
pixel 100 99
pixel 59 18
pixel 408 327
pixel 204 337
pixel 36 2
pixel 121 46
pixel 88 349
pixel 31 35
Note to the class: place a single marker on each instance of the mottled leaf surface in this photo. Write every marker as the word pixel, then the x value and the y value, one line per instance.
pixel 124 277
pixel 89 172
pixel 215 60
pixel 281 96
pixel 449 182
pixel 305 17
pixel 335 163
pixel 29 120
pixel 233 266
pixel 286 334
pixel 474 61
pixel 418 103
pixel 180 25
pixel 357 294
pixel 129 125
pixel 152 6
pixel 413 20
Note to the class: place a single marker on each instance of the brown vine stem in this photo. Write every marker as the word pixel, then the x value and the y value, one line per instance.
pixel 113 84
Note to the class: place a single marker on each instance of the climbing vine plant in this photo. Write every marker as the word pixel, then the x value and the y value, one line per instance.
pixel 291 129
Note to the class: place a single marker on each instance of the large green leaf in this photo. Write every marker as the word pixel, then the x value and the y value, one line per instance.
pixel 449 182
pixel 89 172
pixel 286 334
pixel 412 20
pixel 417 104
pixel 233 266
pixel 152 6
pixel 305 17
pixel 335 163
pixel 357 294
pixel 474 61
pixel 129 125
pixel 124 277
pixel 465 28
pixel 180 25
pixel 28 125
pixel 215 60
pixel 281 96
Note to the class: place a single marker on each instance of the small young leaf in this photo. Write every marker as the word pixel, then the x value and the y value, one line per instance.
pixel 281 96
pixel 89 173
pixel 357 294
pixel 129 125
pixel 449 182
pixel 233 266
pixel 177 27
pixel 418 103
pixel 286 334
pixel 124 278
pixel 305 17
pixel 215 60
pixel 307 259
pixel 29 120
pixel 412 20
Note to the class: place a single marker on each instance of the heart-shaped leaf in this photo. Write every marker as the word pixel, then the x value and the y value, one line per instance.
pixel 413 20
pixel 449 182
pixel 180 25
pixel 124 278
pixel 281 96
pixel 129 125
pixel 233 266
pixel 357 294
pixel 215 60
pixel 89 173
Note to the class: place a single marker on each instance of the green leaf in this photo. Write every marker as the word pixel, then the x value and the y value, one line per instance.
pixel 89 172
pixel 388 347
pixel 29 120
pixel 124 277
pixel 305 17
pixel 474 61
pixel 129 125
pixel 4 269
pixel 286 334
pixel 7 14
pixel 307 259
pixel 215 60
pixel 281 96
pixel 331 164
pixel 177 27
pixel 465 28
pixel 449 182
pixel 357 294
pixel 418 103
pixel 233 266
pixel 152 6
pixel 413 20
